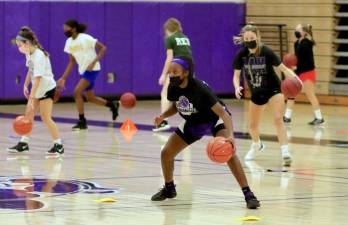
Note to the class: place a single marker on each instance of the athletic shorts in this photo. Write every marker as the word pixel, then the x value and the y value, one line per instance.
pixel 263 97
pixel 309 75
pixel 90 76
pixel 49 94
pixel 191 133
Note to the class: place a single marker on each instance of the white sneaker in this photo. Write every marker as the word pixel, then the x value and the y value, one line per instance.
pixel 162 127
pixel 254 151
pixel 287 158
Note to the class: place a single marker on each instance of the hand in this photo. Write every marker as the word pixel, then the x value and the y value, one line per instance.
pixel 162 79
pixel 26 92
pixel 91 66
pixel 238 92
pixel 158 120
pixel 61 83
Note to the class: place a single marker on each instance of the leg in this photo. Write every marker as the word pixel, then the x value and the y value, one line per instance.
pixel 238 172
pixel 277 106
pixel 174 145
pixel 309 89
pixel 79 89
pixel 288 112
pixel 164 101
pixel 46 117
pixel 95 99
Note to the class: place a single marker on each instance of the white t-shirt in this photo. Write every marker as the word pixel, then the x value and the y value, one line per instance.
pixel 40 66
pixel 83 50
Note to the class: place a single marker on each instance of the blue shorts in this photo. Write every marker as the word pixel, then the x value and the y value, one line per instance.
pixel 90 76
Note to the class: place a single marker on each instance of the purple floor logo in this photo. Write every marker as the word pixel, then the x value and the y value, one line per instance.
pixel 28 193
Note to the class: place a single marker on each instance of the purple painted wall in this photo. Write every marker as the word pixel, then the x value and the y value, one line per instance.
pixel 132 32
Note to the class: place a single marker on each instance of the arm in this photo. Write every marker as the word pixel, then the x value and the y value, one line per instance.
pixel 101 51
pixel 236 83
pixel 26 85
pixel 172 110
pixel 35 86
pixel 69 67
pixel 219 110
pixel 288 72
pixel 166 66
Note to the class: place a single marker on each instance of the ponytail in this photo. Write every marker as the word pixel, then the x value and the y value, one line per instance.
pixel 308 29
pixel 28 35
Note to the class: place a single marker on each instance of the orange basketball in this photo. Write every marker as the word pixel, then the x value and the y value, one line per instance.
pixel 291 87
pixel 290 60
pixel 128 100
pixel 22 126
pixel 220 150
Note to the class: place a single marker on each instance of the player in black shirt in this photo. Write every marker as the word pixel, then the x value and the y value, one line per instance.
pixel 203 113
pixel 257 60
pixel 306 72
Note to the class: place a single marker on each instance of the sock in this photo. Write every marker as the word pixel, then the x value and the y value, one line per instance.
pixel 284 149
pixel 24 139
pixel 288 113
pixel 58 141
pixel 170 185
pixel 318 115
pixel 247 192
pixel 109 104
pixel 82 117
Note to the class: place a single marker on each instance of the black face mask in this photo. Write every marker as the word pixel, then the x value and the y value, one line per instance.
pixel 176 81
pixel 297 34
pixel 250 44
pixel 68 33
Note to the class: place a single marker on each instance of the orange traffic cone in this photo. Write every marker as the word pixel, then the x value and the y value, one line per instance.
pixel 128 125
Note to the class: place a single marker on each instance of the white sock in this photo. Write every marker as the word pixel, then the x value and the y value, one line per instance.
pixel 58 141
pixel 288 113
pixel 317 114
pixel 284 149
pixel 24 139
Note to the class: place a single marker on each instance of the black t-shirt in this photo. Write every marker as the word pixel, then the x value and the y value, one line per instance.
pixel 305 58
pixel 258 70
pixel 194 102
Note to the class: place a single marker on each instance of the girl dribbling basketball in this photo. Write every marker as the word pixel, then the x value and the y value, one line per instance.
pixel 257 62
pixel 306 72
pixel 81 49
pixel 203 113
pixel 42 91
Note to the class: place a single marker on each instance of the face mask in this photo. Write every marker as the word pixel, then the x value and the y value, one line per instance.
pixel 250 44
pixel 297 34
pixel 68 33
pixel 24 49
pixel 176 81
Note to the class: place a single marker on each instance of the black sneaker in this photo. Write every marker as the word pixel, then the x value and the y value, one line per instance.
pixel 163 194
pixel 20 147
pixel 316 122
pixel 56 149
pixel 81 125
pixel 251 201
pixel 162 127
pixel 286 120
pixel 114 109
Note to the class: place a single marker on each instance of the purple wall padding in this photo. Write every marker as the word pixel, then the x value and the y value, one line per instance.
pixel 132 32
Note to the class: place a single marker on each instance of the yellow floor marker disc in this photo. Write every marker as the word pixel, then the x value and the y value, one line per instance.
pixel 249 219
pixel 105 200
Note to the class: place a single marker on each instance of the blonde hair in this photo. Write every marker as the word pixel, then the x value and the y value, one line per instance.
pixel 29 35
pixel 239 39
pixel 172 25
pixel 308 30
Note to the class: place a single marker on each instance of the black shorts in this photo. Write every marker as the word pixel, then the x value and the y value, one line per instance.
pixel 49 94
pixel 263 97
pixel 191 133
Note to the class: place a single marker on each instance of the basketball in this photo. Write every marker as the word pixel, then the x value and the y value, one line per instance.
pixel 220 150
pixel 290 60
pixel 128 100
pixel 291 87
pixel 22 126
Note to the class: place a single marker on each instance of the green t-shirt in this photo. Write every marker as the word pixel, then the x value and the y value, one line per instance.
pixel 180 44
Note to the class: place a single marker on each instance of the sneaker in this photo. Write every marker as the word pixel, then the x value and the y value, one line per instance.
pixel 56 149
pixel 286 120
pixel 20 147
pixel 81 125
pixel 114 109
pixel 316 122
pixel 287 158
pixel 162 127
pixel 163 194
pixel 252 153
pixel 251 201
